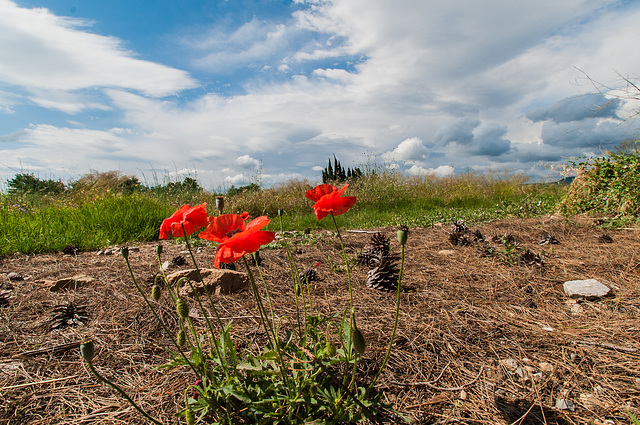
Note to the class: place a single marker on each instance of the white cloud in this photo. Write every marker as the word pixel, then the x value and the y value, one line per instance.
pixel 238 179
pixel 43 52
pixel 441 171
pixel 245 161
pixel 411 149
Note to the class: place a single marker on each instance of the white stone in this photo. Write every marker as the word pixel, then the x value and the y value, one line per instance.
pixel 565 404
pixel 509 364
pixel 589 289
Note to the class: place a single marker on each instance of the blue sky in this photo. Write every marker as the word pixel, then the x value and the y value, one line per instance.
pixel 240 91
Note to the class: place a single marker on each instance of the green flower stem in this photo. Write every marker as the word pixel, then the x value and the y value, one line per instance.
pixel 122 393
pixel 266 290
pixel 352 315
pixel 155 314
pixel 212 340
pixel 293 269
pixel 395 324
pixel 268 327
pixel 346 263
pixel 166 281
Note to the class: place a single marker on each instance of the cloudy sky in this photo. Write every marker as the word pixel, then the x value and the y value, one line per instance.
pixel 239 91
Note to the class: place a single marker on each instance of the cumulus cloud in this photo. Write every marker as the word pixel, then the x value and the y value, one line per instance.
pixel 245 161
pixel 411 149
pixel 459 131
pixel 578 108
pixel 238 179
pixel 441 171
pixel 488 139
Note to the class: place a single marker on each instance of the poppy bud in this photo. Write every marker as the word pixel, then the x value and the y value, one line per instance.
pixel 358 340
pixel 125 252
pixel 280 212
pixel 155 292
pixel 87 350
pixel 159 250
pixel 182 308
pixel 296 289
pixel 403 234
pixel 331 349
pixel 182 337
pixel 190 417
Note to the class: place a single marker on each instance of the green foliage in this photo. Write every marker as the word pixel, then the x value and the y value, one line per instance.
pixel 250 188
pixel 304 373
pixel 609 184
pixel 112 219
pixel 337 173
pixel 101 208
pixel 23 184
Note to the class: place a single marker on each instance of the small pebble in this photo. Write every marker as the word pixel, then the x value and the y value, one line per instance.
pixel 545 367
pixel 108 251
pixel 565 404
pixel 15 277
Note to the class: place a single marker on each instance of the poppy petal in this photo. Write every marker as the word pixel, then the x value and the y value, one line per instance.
pixel 220 227
pixel 321 190
pixel 241 243
pixel 165 228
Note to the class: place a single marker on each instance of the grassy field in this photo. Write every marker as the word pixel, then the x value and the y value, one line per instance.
pixel 102 215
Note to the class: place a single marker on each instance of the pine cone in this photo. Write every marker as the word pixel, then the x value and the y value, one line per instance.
pixel 380 243
pixel 384 276
pixel 459 239
pixel 458 226
pixel 366 255
pixel 68 315
pixel 530 258
pixel 308 275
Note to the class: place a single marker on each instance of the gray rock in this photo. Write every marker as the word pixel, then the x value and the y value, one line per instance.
pixel 215 281
pixel 588 289
pixel 72 283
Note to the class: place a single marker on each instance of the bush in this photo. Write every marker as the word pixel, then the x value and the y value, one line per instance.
pixel 251 187
pixel 606 184
pixel 29 184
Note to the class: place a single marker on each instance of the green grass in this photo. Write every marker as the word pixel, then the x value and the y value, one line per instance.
pixel 89 219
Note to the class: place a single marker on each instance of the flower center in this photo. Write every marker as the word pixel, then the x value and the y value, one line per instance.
pixel 232 232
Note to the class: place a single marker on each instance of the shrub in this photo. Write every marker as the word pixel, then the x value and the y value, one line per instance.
pixel 29 184
pixel 606 184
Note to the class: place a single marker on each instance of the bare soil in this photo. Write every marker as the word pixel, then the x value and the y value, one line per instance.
pixel 484 337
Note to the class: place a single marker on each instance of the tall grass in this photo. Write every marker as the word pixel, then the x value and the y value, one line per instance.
pixel 95 216
pixel 389 198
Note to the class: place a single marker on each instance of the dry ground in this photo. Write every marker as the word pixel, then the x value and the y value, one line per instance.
pixel 480 340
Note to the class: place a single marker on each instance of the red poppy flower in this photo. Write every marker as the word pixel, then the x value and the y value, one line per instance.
pixel 236 237
pixel 245 216
pixel 192 218
pixel 329 200
pixel 223 227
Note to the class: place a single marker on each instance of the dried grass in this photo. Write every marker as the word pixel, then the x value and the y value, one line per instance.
pixel 479 340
